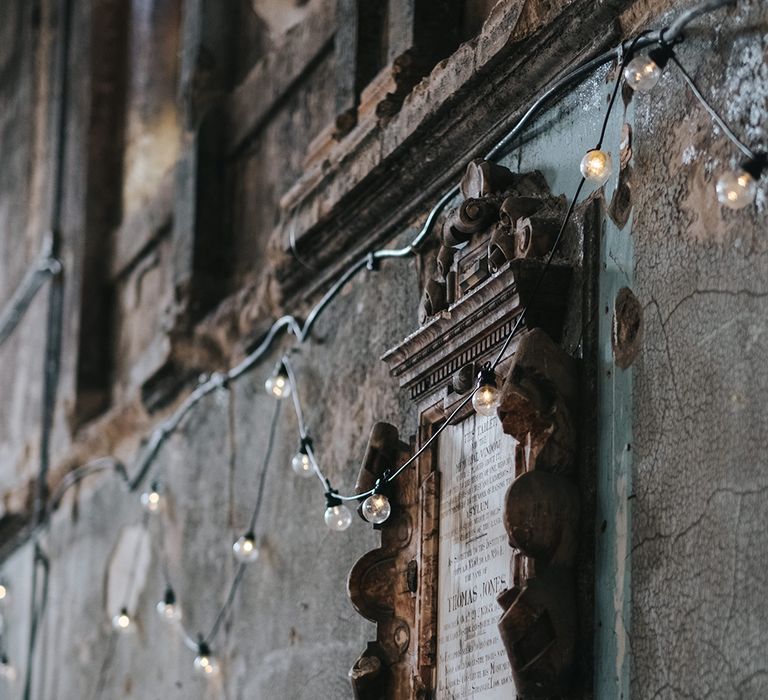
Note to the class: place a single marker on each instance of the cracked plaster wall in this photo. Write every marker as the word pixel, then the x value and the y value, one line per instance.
pixel 699 626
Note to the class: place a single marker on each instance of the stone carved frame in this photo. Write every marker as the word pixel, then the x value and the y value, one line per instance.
pixel 485 280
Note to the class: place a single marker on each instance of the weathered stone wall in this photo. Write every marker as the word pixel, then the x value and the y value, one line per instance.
pixel 681 551
pixel 699 550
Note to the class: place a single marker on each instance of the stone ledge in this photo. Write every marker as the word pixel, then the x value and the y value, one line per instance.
pixel 375 182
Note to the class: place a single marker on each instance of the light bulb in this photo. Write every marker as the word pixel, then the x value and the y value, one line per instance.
pixel 122 621
pixel 736 190
pixel 302 464
pixel 168 609
pixel 7 670
pixel 245 549
pixel 152 500
pixel 376 508
pixel 3 593
pixel 206 663
pixel 486 398
pixel 338 517
pixel 596 166
pixel 642 73
pixel 278 384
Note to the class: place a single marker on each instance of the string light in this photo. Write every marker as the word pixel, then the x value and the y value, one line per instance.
pixel 643 73
pixel 122 622
pixel 168 608
pixel 152 500
pixel 205 662
pixel 337 516
pixel 737 190
pixel 301 462
pixel 486 398
pixel 277 383
pixel 596 166
pixel 7 670
pixel 3 592
pixel 245 549
pixel 376 508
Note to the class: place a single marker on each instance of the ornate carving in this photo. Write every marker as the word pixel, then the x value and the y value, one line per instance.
pixel 541 516
pixel 378 582
pixel 485 273
pixel 504 216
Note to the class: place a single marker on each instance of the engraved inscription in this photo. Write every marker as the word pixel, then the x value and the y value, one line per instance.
pixel 476 464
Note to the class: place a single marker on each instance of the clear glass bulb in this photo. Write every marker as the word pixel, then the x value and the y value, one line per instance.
pixel 152 500
pixel 7 670
pixel 206 664
pixel 642 73
pixel 338 518
pixel 376 508
pixel 277 384
pixel 596 166
pixel 168 609
pixel 245 549
pixel 170 612
pixel 122 622
pixel 302 464
pixel 3 593
pixel 486 400
pixel 736 190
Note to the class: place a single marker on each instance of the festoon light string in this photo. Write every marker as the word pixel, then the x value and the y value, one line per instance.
pixel 641 73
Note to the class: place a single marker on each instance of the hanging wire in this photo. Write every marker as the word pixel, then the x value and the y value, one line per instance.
pixel 223 612
pixel 43 268
pixel 715 116
pixel 265 465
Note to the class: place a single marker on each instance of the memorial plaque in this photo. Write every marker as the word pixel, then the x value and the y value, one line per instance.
pixel 452 621
pixel 476 461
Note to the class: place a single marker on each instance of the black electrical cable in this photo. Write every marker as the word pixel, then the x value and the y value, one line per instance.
pixel 714 115
pixel 240 572
pixel 43 268
pixel 265 465
pixel 254 519
pixel 54 320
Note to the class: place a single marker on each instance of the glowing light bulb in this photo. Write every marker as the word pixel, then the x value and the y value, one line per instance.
pixel 642 73
pixel 245 549
pixel 736 190
pixel 486 398
pixel 168 609
pixel 376 508
pixel 206 663
pixel 7 670
pixel 3 592
pixel 338 518
pixel 152 500
pixel 596 166
pixel 278 384
pixel 302 464
pixel 122 622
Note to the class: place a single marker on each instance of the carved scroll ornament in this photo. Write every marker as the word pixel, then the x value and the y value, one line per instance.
pixel 503 216
pixel 541 516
